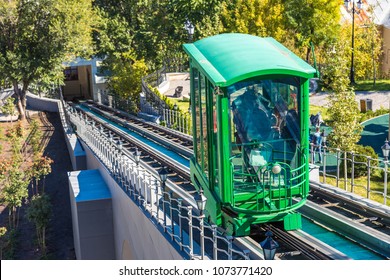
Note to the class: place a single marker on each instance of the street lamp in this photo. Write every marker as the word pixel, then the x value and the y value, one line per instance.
pixel 269 246
pixel 359 6
pixel 163 173
pixel 200 200
pixel 190 29
pixel 386 149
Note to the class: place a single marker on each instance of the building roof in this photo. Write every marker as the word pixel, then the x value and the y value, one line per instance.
pixel 232 57
pixel 380 12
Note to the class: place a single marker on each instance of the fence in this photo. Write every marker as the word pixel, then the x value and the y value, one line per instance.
pixel 167 209
pixel 355 173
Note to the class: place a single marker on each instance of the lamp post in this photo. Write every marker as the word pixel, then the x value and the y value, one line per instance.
pixel 385 150
pixel 359 6
pixel 190 29
pixel 201 200
pixel 269 246
pixel 163 173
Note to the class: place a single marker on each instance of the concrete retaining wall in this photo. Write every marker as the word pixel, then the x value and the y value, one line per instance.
pixel 136 237
pixel 41 103
pixel 92 218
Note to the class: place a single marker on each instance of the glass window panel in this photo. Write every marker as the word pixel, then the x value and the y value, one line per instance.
pixel 265 113
pixel 204 123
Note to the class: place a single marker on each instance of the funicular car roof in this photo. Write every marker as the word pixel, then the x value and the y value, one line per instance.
pixel 231 57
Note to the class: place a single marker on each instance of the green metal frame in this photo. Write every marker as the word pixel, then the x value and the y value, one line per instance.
pixel 252 58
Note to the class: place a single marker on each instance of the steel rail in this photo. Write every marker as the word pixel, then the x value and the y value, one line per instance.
pixel 184 173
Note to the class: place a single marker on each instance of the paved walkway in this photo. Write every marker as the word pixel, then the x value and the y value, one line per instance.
pixel 379 98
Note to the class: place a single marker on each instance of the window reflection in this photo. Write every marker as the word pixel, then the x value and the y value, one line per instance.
pixel 265 112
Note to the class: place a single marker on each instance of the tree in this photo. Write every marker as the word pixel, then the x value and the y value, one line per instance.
pixel 154 31
pixel 3 231
pixel 125 78
pixel 8 107
pixel 41 168
pixel 39 212
pixel 343 109
pixel 256 17
pixel 312 21
pixel 14 190
pixel 36 37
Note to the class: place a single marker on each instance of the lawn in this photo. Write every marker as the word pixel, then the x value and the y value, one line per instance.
pixel 314 109
pixel 376 185
pixel 368 85
pixel 181 103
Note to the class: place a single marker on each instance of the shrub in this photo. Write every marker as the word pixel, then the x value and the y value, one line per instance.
pixel 360 157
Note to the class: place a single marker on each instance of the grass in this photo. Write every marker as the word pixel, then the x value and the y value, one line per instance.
pixel 314 109
pixel 375 185
pixel 368 85
pixel 182 104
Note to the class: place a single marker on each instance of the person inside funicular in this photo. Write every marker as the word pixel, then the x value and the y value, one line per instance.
pixel 251 115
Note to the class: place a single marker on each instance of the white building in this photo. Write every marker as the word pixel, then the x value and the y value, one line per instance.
pixel 84 80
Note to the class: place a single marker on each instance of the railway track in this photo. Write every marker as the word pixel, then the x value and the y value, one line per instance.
pixel 178 174
pixel 369 216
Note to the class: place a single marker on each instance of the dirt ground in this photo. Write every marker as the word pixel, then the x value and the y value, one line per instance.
pixel 59 233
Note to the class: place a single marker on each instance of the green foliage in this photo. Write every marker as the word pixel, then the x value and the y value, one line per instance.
pixel 360 159
pixel 153 30
pixel 343 110
pixel 8 107
pixel 3 242
pixel 8 243
pixel 257 17
pixel 35 137
pixel 315 21
pixel 14 183
pixel 125 78
pixel 39 212
pixel 40 169
pixel 36 37
pixel 372 114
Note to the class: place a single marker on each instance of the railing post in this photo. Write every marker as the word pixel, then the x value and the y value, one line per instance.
pixel 324 165
pixel 337 167
pixel 345 171
pixel 312 153
pixel 201 226
pixel 163 206
pixel 385 184
pixel 230 247
pixel 157 206
pixel 215 241
pixel 352 172
pixel 171 214
pixel 368 176
pixel 179 205
pixel 190 229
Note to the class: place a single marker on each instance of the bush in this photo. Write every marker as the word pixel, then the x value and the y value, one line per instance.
pixel 371 114
pixel 360 155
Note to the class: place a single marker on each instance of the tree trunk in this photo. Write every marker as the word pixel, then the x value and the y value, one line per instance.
pixel 308 54
pixel 21 95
